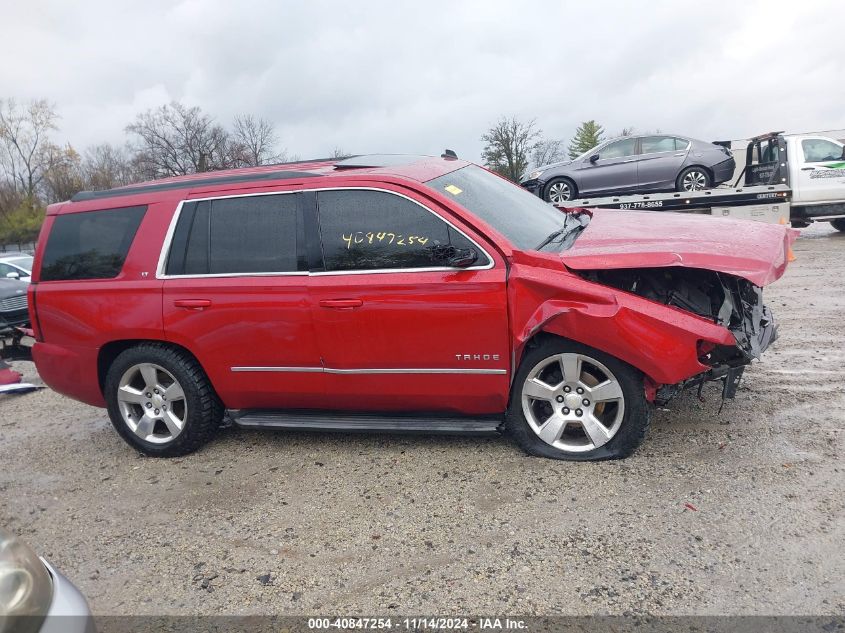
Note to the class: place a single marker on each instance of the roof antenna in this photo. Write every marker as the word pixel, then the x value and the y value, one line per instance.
pixel 449 154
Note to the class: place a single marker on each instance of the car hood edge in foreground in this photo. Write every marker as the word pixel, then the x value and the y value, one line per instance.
pixel 755 251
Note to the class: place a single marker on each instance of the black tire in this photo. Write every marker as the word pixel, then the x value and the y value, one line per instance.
pixel 548 189
pixel 799 224
pixel 703 176
pixel 203 411
pixel 838 224
pixel 636 410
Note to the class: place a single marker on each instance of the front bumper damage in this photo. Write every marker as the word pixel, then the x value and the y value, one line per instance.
pixel 732 302
pixel 729 370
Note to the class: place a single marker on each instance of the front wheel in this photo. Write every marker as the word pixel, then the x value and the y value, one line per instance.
pixel 559 190
pixel 573 402
pixel 838 224
pixel 160 400
pixel 693 179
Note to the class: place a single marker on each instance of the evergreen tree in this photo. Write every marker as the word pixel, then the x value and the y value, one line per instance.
pixel 588 135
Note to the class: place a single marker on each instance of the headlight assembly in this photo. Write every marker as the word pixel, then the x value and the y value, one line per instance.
pixel 535 174
pixel 26 589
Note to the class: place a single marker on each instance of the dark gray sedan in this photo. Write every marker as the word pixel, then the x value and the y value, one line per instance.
pixel 633 164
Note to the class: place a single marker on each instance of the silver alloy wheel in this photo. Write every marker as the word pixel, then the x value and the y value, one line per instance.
pixel 694 180
pixel 152 403
pixel 560 192
pixel 573 402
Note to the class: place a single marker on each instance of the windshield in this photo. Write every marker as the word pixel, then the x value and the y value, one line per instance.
pixel 524 219
pixel 22 262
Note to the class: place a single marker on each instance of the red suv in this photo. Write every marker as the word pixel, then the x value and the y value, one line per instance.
pixel 402 293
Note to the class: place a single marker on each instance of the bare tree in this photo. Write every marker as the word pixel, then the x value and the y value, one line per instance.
pixel 339 152
pixel 254 142
pixel 25 144
pixel 175 140
pixel 508 145
pixel 10 199
pixel 547 152
pixel 64 177
pixel 106 166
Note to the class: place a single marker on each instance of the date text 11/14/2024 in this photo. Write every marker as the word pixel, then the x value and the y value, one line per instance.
pixel 418 623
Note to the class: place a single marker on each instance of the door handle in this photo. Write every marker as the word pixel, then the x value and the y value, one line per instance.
pixel 192 304
pixel 808 169
pixel 341 303
pixel 681 154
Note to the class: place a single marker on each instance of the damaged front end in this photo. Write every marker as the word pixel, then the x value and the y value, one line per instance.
pixel 732 302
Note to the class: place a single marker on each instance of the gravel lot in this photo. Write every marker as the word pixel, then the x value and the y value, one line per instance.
pixel 296 523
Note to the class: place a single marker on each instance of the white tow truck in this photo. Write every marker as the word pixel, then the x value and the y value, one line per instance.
pixel 787 178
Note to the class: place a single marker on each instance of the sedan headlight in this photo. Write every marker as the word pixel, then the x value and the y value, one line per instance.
pixel 535 174
pixel 26 589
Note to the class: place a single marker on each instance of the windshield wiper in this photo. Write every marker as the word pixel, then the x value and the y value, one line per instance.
pixel 553 236
pixel 572 225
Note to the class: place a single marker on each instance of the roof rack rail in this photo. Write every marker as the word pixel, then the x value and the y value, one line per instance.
pixel 152 187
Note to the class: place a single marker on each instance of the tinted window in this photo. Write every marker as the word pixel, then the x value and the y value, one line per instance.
pixel 618 149
pixel 90 245
pixel 681 143
pixel 817 150
pixel 366 230
pixel 653 144
pixel 523 218
pixel 252 234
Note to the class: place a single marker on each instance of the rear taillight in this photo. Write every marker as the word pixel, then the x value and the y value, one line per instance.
pixel 33 313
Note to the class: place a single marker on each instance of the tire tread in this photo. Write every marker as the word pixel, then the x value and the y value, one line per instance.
pixel 200 427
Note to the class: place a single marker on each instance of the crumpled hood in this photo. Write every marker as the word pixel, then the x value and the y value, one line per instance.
pixel 615 239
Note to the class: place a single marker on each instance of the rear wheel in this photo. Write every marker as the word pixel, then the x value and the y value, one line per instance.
pixel 693 179
pixel 160 400
pixel 570 401
pixel 838 224
pixel 560 190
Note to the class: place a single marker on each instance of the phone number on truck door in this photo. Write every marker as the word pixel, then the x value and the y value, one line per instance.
pixel 650 204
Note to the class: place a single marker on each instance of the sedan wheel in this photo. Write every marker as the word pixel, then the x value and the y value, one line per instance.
pixel 694 180
pixel 152 403
pixel 559 191
pixel 573 402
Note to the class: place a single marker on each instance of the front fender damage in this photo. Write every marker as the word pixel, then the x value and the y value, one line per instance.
pixel 679 326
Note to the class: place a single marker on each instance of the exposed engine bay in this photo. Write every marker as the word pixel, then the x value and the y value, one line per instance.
pixel 727 300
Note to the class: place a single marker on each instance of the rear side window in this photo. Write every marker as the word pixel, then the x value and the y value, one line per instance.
pixel 371 230
pixel 90 245
pixel 655 144
pixel 243 235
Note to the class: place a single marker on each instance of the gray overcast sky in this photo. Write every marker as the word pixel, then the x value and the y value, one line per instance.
pixel 419 77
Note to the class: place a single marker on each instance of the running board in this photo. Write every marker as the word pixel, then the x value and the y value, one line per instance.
pixel 364 423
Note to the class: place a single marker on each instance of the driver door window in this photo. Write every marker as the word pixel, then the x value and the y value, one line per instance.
pixel 369 230
pixel 819 150
pixel 619 149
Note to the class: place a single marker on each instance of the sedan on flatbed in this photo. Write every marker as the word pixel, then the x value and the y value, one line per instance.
pixel 633 164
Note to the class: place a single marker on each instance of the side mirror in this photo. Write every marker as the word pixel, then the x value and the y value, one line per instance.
pixel 13 275
pixel 594 158
pixel 454 257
